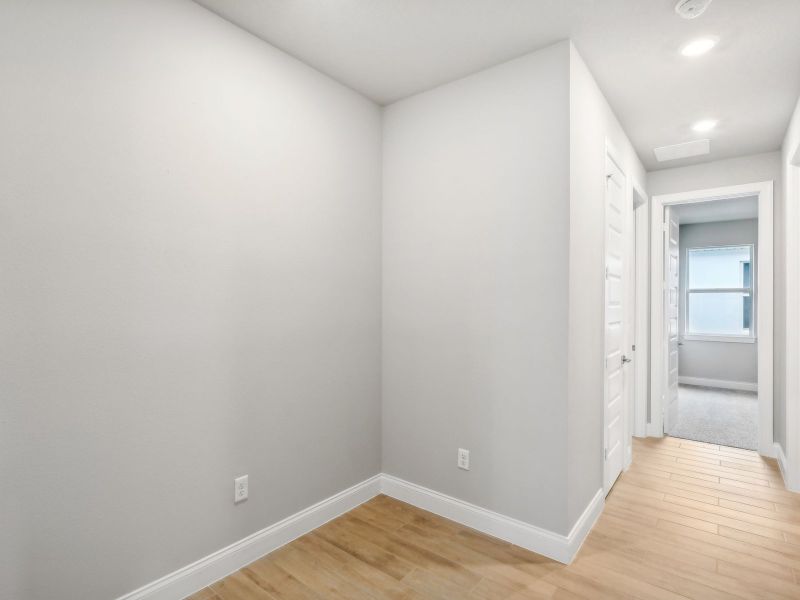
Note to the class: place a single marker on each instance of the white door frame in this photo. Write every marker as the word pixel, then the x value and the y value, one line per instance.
pixel 764 305
pixel 641 224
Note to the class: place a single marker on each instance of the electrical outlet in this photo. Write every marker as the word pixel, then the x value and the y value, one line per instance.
pixel 240 488
pixel 463 459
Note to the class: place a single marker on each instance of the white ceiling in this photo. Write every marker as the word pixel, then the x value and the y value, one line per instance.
pixel 389 49
pixel 734 209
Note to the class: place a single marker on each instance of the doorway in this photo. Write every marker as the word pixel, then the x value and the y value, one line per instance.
pixel 717 326
pixel 625 371
pixel 711 315
pixel 614 414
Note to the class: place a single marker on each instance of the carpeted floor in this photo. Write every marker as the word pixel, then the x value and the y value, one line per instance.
pixel 726 417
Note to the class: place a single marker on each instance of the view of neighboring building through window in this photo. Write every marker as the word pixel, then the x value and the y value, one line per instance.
pixel 747 308
pixel 719 291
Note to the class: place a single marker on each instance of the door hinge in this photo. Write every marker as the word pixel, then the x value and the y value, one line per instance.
pixel 605 453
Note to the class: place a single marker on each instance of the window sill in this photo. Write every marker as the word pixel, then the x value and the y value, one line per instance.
pixel 737 339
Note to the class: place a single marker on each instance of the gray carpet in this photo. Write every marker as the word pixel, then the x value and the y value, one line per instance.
pixel 725 417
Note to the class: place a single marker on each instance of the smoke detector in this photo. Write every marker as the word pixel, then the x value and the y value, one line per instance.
pixel 691 9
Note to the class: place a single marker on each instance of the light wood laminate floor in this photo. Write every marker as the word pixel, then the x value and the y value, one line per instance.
pixel 688 520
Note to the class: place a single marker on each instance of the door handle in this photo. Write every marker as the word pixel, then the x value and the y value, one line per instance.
pixel 625 359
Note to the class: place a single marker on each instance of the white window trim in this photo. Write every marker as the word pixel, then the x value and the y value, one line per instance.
pixel 737 339
pixel 718 337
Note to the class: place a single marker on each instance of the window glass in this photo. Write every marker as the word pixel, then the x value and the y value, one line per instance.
pixel 714 268
pixel 720 296
pixel 720 313
pixel 747 306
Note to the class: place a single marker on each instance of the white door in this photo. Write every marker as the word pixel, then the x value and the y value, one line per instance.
pixel 671 307
pixel 614 416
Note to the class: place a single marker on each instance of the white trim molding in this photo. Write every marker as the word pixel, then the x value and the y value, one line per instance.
pixel 792 486
pixel 562 548
pixel 202 573
pixel 642 310
pixel 764 303
pixel 726 339
pixel 745 386
pixel 194 577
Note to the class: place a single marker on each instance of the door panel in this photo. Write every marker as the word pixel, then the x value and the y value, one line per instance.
pixel 614 415
pixel 671 307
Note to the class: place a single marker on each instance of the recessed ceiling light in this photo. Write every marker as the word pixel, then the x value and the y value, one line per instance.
pixel 698 47
pixel 704 125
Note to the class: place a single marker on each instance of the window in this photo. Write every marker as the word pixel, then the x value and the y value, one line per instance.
pixel 747 308
pixel 719 291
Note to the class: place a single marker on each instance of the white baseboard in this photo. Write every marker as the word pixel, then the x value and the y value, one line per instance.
pixel 542 541
pixel 202 573
pixel 745 386
pixel 653 431
pixel 781 462
pixel 194 577
pixel 792 486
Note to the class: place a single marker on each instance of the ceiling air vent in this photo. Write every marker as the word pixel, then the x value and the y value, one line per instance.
pixel 685 150
pixel 691 9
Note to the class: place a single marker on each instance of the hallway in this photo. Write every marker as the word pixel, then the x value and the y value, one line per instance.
pixel 687 520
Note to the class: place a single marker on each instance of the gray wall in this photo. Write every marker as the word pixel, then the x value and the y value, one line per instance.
pixel 493 286
pixel 190 291
pixel 475 272
pixel 790 162
pixel 727 361
pixel 746 169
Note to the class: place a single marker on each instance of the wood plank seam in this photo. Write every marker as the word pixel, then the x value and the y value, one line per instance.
pixel 674 527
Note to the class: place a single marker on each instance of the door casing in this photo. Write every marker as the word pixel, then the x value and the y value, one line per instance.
pixel 641 311
pixel 764 306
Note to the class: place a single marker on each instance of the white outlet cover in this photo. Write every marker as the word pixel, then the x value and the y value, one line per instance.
pixel 240 488
pixel 463 459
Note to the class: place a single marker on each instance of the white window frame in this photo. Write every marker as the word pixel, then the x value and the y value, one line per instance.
pixel 687 291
